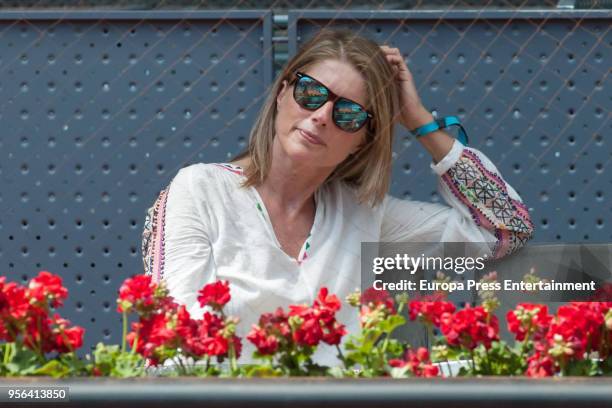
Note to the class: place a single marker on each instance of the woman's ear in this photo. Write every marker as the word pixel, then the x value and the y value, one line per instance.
pixel 281 93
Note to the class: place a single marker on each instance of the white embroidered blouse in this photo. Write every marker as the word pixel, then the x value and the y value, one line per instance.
pixel 205 227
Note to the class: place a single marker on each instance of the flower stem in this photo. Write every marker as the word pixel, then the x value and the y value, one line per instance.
pixel 7 352
pixel 430 334
pixel 473 362
pixel 124 335
pixel 39 344
pixel 135 343
pixel 181 365
pixel 341 356
pixel 232 358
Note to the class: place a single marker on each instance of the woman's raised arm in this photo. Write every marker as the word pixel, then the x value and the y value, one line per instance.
pixel 483 207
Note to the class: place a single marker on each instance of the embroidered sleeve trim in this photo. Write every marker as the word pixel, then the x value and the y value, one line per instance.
pixel 485 194
pixel 153 238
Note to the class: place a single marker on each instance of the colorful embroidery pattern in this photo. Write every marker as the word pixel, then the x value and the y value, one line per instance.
pixel 304 254
pixel 485 195
pixel 153 238
pixel 230 167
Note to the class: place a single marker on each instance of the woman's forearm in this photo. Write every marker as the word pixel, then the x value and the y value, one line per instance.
pixel 437 143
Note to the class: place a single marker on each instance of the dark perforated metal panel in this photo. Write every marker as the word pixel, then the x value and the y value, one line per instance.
pixel 98 112
pixel 532 90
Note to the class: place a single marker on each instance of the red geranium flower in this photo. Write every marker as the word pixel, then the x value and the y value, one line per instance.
pixel 14 308
pixel 540 365
pixel 470 327
pixel 276 323
pixel 272 331
pixel 215 295
pixel 138 292
pixel 418 362
pixel 326 301
pixel 302 326
pixel 47 287
pixel 528 319
pixel 318 323
pixel 67 339
pixel 37 334
pixel 372 297
pixel 266 344
pixel 429 309
pixel 579 325
pixel 309 331
pixel 333 333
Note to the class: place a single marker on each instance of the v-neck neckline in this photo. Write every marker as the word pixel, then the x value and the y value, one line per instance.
pixel 304 250
pixel 265 216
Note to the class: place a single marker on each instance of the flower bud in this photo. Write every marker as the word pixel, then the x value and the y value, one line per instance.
pixel 402 298
pixel 295 322
pixel 161 291
pixel 370 317
pixel 229 328
pixel 354 298
pixel 439 353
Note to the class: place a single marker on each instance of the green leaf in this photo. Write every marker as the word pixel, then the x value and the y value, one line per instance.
pixel 6 352
pixel 336 372
pixel 391 323
pixel 456 353
pixel 314 369
pixel 128 365
pixel 53 368
pixel 500 359
pixel 464 372
pixel 349 346
pixel 355 358
pixel 105 358
pixel 262 371
pixel 395 349
pixel 22 362
pixel 76 366
pixel 606 367
pixel 586 367
pixel 264 357
pixel 369 339
pixel 111 361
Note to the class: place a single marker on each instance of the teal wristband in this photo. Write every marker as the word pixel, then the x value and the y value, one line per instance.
pixel 441 124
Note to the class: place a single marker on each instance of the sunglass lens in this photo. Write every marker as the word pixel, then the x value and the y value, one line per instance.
pixel 309 93
pixel 349 116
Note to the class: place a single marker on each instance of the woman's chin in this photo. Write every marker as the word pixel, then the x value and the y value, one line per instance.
pixel 302 150
pixel 302 155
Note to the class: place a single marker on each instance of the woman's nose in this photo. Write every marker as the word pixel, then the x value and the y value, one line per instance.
pixel 323 115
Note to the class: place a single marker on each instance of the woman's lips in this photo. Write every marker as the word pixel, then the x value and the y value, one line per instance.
pixel 311 138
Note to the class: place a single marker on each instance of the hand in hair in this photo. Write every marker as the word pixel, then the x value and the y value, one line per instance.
pixel 413 113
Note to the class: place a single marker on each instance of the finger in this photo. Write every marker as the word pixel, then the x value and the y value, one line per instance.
pixel 395 56
pixel 395 59
pixel 390 50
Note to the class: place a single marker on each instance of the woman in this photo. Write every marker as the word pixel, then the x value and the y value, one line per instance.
pixel 289 215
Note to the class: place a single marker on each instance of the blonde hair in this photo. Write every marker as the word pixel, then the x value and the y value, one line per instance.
pixel 369 169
